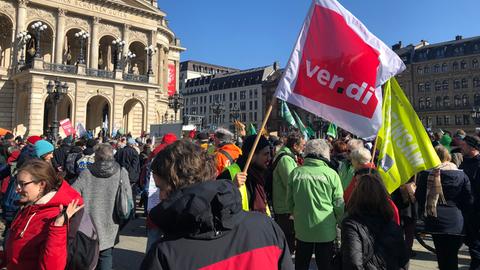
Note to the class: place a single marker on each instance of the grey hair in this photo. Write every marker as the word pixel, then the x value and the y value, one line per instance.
pixel 103 152
pixel 361 155
pixel 318 147
pixel 355 144
pixel 224 135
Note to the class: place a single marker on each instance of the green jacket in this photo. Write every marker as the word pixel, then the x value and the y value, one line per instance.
pixel 280 178
pixel 315 197
pixel 346 172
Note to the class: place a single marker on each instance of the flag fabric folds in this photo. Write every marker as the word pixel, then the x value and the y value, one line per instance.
pixel 332 130
pixel 300 125
pixel 251 130
pixel 286 114
pixel 404 146
pixel 337 69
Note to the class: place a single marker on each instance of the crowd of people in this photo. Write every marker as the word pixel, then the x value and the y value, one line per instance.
pixel 206 210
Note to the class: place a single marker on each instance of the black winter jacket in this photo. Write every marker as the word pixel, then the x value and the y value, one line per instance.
pixel 457 193
pixel 471 167
pixel 371 243
pixel 60 156
pixel 204 227
pixel 128 158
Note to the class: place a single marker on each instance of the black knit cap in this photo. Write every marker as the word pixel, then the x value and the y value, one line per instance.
pixel 472 141
pixel 248 144
pixel 8 136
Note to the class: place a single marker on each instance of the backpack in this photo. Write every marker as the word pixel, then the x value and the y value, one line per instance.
pixel 83 246
pixel 123 200
pixel 10 199
pixel 84 161
pixel 228 156
pixel 269 175
pixel 71 163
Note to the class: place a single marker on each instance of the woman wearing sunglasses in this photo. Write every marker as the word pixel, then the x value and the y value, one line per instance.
pixel 37 238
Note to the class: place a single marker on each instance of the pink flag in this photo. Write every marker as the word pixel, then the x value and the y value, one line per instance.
pixel 337 69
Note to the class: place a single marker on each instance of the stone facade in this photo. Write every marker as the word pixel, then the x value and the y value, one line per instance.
pixel 99 92
pixel 442 81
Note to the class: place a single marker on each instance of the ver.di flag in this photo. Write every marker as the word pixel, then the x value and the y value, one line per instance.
pixel 337 69
pixel 405 148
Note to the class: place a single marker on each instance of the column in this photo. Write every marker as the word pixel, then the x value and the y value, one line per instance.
pixel 21 18
pixel 60 41
pixel 94 43
pixel 125 38
pixel 160 57
pixel 165 70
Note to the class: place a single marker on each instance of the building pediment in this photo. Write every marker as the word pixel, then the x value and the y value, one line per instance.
pixel 139 5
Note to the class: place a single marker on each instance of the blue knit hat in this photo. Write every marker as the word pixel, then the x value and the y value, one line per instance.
pixel 43 147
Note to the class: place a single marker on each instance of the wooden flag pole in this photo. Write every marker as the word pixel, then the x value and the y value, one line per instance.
pixel 373 153
pixel 259 134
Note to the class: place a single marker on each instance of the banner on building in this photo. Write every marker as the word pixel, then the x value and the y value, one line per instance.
pixel 405 148
pixel 67 127
pixel 337 69
pixel 172 78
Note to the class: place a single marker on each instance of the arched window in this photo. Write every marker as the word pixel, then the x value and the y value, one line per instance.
pixel 427 86
pixel 465 100
pixel 476 100
pixel 436 68
pixel 455 66
pixel 444 67
pixel 445 85
pixel 446 101
pixel 475 63
pixel 464 83
pixel 438 102
pixel 438 86
pixel 463 65
pixel 421 103
pixel 428 102
pixel 457 101
pixel 456 84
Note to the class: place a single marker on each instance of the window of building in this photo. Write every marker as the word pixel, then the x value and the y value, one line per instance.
pixel 230 96
pixel 464 83
pixel 255 94
pixel 446 101
pixel 426 70
pixel 427 86
pixel 244 117
pixel 428 102
pixel 211 99
pixel 250 93
pixel 438 102
pixel 243 106
pixel 444 67
pixel 463 65
pixel 438 86
pixel 455 66
pixel 234 96
pixel 439 120
pixel 255 116
pixel 429 121
pixel 436 68
pixel 419 70
pixel 255 105
pixel 475 63
pixel 465 100
pixel 445 85
pixel 421 103
pixel 250 116
pixel 250 105
pixel 457 101
pixel 476 100
pixel 476 82
pixel 243 95
pixel 456 84
pixel 223 97
pixel 447 120
pixel 421 87
pixel 466 119
pixel 458 119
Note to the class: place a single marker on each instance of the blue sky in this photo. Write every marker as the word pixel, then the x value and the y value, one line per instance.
pixel 251 33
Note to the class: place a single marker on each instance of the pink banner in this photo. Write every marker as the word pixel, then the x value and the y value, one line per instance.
pixel 67 127
pixel 172 79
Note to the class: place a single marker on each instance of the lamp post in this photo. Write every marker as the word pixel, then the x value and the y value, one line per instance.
pixel 130 56
pixel 23 37
pixel 56 90
pixel 118 44
pixel 175 102
pixel 82 35
pixel 475 113
pixel 150 50
pixel 38 27
pixel 217 109
pixel 235 114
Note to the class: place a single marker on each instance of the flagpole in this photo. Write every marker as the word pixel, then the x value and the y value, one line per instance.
pixel 373 154
pixel 259 134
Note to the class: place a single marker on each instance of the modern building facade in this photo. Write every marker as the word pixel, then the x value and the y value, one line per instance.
pixel 217 97
pixel 106 84
pixel 195 69
pixel 442 81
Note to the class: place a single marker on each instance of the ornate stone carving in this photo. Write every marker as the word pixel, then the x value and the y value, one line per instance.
pixel 7 8
pixel 136 35
pixel 108 29
pixel 77 22
pixel 61 12
pixel 96 20
pixel 35 14
pixel 23 3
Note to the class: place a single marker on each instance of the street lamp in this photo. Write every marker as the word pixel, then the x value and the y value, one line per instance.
pixel 475 113
pixel 38 27
pixel 82 35
pixel 119 44
pixel 23 37
pixel 150 50
pixel 56 90
pixel 217 109
pixel 130 56
pixel 175 102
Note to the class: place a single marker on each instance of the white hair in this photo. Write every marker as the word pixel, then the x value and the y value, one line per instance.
pixel 318 147
pixel 224 135
pixel 361 156
pixel 354 144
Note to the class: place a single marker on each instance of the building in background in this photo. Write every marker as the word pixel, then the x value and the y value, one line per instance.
pixel 195 69
pixel 106 86
pixel 442 81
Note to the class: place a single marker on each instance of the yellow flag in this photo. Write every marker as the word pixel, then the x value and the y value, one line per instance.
pixel 405 148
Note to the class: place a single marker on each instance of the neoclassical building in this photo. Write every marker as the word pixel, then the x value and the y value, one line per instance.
pixel 107 86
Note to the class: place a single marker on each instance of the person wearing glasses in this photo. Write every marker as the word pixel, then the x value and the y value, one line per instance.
pixel 38 235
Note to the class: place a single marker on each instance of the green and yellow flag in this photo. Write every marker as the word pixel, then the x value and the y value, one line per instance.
pixel 405 148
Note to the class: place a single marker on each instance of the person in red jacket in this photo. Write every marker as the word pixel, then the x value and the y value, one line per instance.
pixel 38 235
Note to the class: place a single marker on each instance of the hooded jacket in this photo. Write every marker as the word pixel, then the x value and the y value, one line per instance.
pixel 98 186
pixel 33 241
pixel 129 159
pixel 204 227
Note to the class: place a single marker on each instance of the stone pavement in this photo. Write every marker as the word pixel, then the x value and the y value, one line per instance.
pixel 129 253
